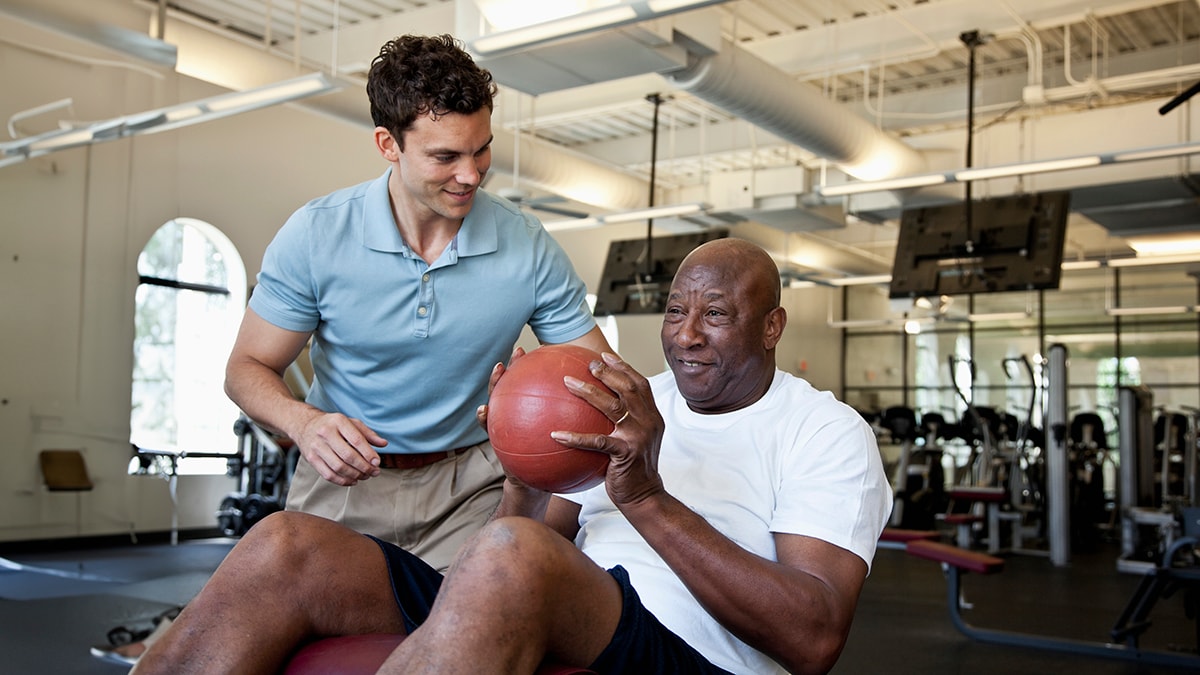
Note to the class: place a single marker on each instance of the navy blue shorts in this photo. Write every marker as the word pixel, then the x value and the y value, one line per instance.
pixel 640 644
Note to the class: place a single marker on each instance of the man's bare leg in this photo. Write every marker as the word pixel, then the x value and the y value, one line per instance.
pixel 517 593
pixel 292 577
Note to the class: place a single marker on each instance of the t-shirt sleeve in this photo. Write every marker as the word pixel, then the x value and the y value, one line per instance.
pixel 285 294
pixel 833 486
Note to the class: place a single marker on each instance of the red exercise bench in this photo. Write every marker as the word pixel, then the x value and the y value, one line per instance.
pixel 364 654
pixel 898 537
pixel 993 498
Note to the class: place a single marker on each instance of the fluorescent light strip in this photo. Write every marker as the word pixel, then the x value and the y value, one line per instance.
pixel 1150 311
pixel 573 224
pixel 1082 265
pixel 1046 166
pixel 1011 170
pixel 873 323
pixel 171 117
pixel 613 16
pixel 865 323
pixel 626 216
pixel 1143 261
pixel 538 33
pixel 998 316
pixel 862 281
pixel 1167 244
pixel 58 140
pixel 1162 152
pixel 923 180
pixel 652 212
pixel 270 94
pixel 801 283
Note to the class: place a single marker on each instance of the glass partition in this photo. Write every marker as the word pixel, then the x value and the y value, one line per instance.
pixel 1121 326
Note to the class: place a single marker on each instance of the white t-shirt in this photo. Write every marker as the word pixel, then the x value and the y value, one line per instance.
pixel 797 461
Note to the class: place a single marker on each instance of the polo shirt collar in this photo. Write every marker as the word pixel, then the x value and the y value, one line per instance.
pixel 477 236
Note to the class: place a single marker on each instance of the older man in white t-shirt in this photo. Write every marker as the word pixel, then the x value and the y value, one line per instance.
pixel 733 532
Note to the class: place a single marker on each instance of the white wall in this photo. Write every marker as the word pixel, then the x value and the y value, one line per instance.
pixel 71 229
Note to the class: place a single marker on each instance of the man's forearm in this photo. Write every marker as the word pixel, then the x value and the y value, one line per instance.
pixel 519 500
pixel 777 609
pixel 263 395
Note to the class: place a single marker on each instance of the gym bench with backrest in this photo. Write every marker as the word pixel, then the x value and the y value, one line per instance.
pixel 1164 579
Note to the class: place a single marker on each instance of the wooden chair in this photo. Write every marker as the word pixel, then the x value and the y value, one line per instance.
pixel 66 471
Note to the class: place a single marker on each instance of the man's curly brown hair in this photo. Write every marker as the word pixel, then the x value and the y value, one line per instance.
pixel 416 75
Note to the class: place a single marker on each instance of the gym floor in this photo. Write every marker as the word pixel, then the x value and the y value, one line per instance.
pixel 54 605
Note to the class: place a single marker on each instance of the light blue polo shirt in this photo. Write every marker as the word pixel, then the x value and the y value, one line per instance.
pixel 405 346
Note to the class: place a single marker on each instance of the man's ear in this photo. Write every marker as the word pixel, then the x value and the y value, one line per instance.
pixel 776 321
pixel 387 145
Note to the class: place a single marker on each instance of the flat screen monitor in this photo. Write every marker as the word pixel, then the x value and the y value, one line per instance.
pixel 638 272
pixel 1012 243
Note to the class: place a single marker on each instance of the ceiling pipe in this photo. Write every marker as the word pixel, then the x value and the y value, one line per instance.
pixel 558 170
pixel 741 83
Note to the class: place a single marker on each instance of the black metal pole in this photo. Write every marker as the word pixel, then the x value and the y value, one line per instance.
pixel 657 100
pixel 1178 100
pixel 971 39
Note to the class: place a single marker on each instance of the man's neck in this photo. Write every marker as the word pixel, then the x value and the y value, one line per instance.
pixel 426 233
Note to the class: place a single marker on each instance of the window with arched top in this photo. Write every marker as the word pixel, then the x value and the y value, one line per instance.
pixel 191 294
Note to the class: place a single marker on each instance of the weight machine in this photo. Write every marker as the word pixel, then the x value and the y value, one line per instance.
pixel 1157 488
pixel 919 483
pixel 263 467
pixel 1004 480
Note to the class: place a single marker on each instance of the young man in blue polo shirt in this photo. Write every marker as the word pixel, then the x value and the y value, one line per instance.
pixel 412 287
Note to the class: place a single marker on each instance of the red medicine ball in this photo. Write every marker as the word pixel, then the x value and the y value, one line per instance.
pixel 529 402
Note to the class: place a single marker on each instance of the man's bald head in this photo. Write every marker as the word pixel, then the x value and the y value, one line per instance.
pixel 721 325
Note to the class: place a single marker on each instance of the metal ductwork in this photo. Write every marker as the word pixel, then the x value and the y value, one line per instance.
pixel 565 173
pixel 765 96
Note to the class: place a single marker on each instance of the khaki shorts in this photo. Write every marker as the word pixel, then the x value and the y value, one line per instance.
pixel 430 511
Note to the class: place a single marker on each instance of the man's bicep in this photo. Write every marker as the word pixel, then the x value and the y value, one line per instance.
pixel 261 341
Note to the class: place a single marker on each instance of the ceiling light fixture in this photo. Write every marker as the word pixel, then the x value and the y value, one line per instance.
pixel 1011 170
pixel 864 280
pixel 612 16
pixel 999 316
pixel 1143 261
pixel 906 324
pixel 165 119
pixel 1046 166
pixel 1150 311
pixel 903 183
pixel 649 213
pixel 1164 244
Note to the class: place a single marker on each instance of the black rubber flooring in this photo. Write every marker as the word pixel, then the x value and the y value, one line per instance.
pixel 55 606
pixel 903 623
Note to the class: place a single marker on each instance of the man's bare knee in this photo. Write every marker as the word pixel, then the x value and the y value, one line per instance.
pixel 520 549
pixel 282 545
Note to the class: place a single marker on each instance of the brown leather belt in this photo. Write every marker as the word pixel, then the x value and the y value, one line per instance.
pixel 396 460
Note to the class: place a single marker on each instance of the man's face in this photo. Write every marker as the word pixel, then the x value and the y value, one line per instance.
pixel 716 337
pixel 443 163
